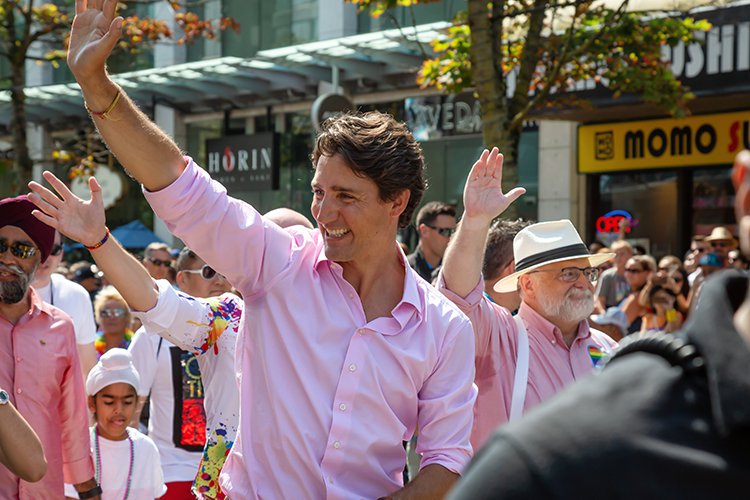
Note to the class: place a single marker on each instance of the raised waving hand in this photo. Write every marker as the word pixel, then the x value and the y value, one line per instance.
pixel 483 194
pixel 94 33
pixel 79 220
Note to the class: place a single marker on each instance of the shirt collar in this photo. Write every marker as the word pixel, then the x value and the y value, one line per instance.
pixel 725 353
pixel 411 301
pixel 541 324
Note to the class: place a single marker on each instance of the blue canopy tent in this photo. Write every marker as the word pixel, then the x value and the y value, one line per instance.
pixel 133 236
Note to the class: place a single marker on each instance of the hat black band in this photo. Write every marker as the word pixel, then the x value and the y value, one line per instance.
pixel 577 250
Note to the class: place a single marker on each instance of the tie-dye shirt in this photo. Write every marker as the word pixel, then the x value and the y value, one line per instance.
pixel 207 328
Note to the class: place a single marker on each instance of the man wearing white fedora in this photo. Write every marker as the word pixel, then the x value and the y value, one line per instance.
pixel 523 360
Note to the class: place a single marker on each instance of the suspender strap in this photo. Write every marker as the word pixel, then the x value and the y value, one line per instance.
pixel 521 379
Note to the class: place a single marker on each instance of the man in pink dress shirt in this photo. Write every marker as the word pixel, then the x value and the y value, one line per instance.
pixel 347 351
pixel 554 274
pixel 39 365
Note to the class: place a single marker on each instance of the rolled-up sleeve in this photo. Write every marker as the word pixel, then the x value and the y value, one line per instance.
pixel 446 403
pixel 73 410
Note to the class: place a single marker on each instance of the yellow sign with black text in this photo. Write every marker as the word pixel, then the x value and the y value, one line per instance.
pixel 684 142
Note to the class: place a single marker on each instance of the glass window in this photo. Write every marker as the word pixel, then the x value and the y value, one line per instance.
pixel 713 200
pixel 652 200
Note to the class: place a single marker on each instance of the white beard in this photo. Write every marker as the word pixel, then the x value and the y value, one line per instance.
pixel 576 306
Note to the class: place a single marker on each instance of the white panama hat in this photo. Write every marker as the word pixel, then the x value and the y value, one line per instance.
pixel 544 243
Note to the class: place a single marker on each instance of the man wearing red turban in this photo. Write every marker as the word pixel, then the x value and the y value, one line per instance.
pixel 39 367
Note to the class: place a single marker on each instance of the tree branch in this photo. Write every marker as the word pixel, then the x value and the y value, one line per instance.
pixel 403 35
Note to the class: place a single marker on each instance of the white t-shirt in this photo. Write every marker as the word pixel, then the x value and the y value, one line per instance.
pixel 74 300
pixel 177 422
pixel 146 481
pixel 208 328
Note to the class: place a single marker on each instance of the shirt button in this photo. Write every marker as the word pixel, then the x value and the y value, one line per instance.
pixel 342 407
pixel 554 342
pixel 18 359
pixel 19 391
pixel 336 444
pixel 361 331
pixel 352 367
pixel 351 295
pixel 330 479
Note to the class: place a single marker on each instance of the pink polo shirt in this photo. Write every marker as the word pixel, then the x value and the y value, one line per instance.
pixel 39 368
pixel 326 397
pixel 552 364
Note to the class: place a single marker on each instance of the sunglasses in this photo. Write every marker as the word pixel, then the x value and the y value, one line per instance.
pixel 56 250
pixel 571 274
pixel 635 271
pixel 18 249
pixel 443 231
pixel 112 313
pixel 159 262
pixel 720 244
pixel 207 272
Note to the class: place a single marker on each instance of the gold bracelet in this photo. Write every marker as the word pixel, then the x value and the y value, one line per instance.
pixel 105 114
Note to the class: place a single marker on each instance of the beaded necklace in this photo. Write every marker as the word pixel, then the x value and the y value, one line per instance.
pixel 98 460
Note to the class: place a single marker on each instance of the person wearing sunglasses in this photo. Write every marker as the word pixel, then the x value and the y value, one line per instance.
pixel 114 319
pixel 721 241
pixel 72 298
pixel 157 259
pixel 525 359
pixel 436 222
pixel 40 370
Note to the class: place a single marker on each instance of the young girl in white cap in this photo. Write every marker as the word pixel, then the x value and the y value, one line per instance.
pixel 126 462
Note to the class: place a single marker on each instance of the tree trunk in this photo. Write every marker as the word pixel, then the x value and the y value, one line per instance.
pixel 22 163
pixel 490 86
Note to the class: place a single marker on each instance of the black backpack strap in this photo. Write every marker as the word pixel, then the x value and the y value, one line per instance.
pixel 675 348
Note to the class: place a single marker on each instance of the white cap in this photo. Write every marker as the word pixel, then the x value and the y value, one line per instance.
pixel 115 365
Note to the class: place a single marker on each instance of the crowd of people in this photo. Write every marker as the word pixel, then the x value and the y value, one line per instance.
pixel 269 358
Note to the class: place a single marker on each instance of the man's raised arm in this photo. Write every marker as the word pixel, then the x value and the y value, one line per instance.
pixel 483 201
pixel 144 150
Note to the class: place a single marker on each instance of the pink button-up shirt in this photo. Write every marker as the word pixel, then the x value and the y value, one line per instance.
pixel 552 364
pixel 39 368
pixel 326 396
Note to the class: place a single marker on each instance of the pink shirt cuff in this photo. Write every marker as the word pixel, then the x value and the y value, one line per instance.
pixel 464 303
pixel 79 470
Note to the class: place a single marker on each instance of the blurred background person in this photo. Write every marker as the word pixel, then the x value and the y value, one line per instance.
pixel 72 298
pixel 722 242
pixel 157 259
pixel 662 315
pixel 436 222
pixel 113 316
pixel 88 276
pixel 637 271
pixel 613 285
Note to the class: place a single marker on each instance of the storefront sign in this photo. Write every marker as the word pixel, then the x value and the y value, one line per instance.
pixel 434 117
pixel 245 162
pixel 687 142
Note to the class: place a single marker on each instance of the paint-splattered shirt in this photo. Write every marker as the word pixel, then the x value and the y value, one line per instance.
pixel 208 328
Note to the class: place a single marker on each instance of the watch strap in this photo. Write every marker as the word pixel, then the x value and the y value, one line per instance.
pixel 93 492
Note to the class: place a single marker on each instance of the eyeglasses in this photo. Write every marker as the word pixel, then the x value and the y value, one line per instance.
pixel 18 249
pixel 112 313
pixel 56 250
pixel 159 262
pixel 207 272
pixel 443 231
pixel 721 244
pixel 571 274
pixel 635 271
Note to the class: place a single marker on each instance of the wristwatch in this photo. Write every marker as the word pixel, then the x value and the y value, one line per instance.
pixel 4 397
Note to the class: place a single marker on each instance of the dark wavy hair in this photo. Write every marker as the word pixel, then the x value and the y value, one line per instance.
pixel 378 147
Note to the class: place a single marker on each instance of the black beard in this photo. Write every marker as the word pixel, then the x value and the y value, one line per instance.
pixel 13 292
